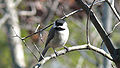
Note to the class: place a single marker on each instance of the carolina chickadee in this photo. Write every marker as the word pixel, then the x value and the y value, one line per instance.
pixel 57 37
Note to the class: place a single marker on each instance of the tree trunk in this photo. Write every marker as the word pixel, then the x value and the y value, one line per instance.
pixel 14 42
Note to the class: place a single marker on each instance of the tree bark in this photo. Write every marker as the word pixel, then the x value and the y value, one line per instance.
pixel 98 26
pixel 115 53
pixel 16 47
pixel 107 24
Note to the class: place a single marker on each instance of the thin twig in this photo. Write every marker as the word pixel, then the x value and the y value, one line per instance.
pixel 29 48
pixel 25 44
pixel 101 44
pixel 111 32
pixel 51 24
pixel 36 47
pixel 37 27
pixel 98 1
pixel 37 32
pixel 115 13
pixel 79 10
pixel 114 28
pixel 87 29
pixel 73 12
pixel 40 33
pixel 66 16
pixel 98 27
pixel 113 9
pixel 87 24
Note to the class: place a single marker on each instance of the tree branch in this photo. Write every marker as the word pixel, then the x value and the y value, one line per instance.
pixel 87 24
pixel 17 2
pixel 36 32
pixel 98 26
pixel 113 9
pixel 73 12
pixel 111 5
pixel 74 48
pixel 51 24
pixel 66 16
pixel 28 13
pixel 4 19
pixel 115 53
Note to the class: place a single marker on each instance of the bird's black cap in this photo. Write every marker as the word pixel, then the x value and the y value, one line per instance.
pixel 59 22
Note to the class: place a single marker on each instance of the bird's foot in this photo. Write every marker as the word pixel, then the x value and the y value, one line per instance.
pixel 65 47
pixel 42 57
pixel 55 52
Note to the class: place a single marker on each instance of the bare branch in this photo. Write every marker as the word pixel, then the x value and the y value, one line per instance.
pixel 24 43
pixel 36 47
pixel 40 33
pixel 66 16
pixel 99 27
pixel 114 28
pixel 87 24
pixel 74 48
pixel 98 1
pixel 111 4
pixel 83 53
pixel 29 48
pixel 37 32
pixel 113 9
pixel 4 19
pixel 79 10
pixel 49 25
pixel 73 12
pixel 37 27
pixel 17 2
pixel 29 13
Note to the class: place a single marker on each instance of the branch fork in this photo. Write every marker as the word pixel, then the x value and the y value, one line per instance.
pixel 74 48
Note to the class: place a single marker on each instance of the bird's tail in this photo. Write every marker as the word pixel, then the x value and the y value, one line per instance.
pixel 43 53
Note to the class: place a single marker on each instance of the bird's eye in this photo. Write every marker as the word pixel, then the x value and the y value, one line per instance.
pixel 59 24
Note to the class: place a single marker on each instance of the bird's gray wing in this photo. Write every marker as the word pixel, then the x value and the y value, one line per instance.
pixel 50 36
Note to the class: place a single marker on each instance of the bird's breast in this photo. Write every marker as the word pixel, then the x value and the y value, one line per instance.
pixel 60 38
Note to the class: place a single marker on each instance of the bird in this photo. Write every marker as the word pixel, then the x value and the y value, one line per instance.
pixel 57 37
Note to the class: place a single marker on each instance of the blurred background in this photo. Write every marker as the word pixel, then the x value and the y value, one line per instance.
pixel 21 17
